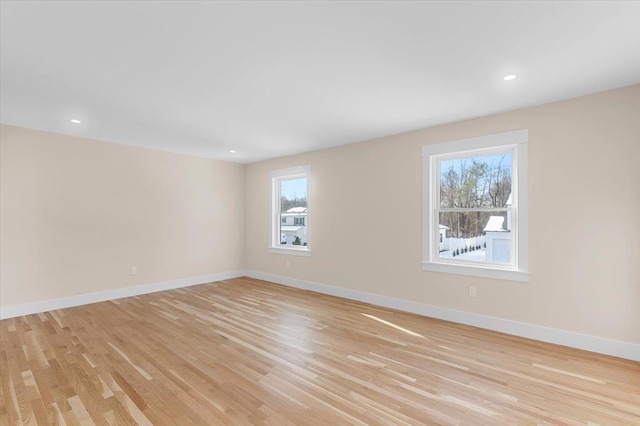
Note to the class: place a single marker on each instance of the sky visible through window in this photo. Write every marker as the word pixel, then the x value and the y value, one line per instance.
pixel 293 188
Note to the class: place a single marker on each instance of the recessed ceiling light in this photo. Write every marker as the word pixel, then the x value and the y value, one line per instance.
pixel 75 121
pixel 510 77
pixel 233 151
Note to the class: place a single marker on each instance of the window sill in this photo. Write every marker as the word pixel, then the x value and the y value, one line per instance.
pixel 303 251
pixel 477 271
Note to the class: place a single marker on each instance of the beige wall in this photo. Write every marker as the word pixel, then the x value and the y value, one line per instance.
pixel 77 214
pixel 584 226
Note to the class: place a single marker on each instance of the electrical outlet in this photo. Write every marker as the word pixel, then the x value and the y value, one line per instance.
pixel 134 270
pixel 472 292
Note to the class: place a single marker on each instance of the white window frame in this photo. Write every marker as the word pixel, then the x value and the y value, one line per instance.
pixel 276 177
pixel 517 141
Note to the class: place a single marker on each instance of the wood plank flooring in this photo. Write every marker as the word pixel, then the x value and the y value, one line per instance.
pixel 244 351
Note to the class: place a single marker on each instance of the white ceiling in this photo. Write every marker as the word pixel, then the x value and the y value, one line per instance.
pixel 270 79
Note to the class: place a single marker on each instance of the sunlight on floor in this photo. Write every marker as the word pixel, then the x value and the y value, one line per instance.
pixel 390 324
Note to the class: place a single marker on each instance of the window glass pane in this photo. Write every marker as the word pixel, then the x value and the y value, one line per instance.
pixel 475 236
pixel 293 193
pixel 293 228
pixel 476 181
pixel 293 211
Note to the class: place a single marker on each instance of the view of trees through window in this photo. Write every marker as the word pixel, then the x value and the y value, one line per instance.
pixel 474 218
pixel 473 183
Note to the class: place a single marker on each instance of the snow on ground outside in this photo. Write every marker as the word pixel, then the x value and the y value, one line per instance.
pixel 477 256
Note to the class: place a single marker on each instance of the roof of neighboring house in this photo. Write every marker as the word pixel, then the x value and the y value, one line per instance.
pixel 297 210
pixel 495 224
pixel 441 226
pixel 509 202
pixel 290 228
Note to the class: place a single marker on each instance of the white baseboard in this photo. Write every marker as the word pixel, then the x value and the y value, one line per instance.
pixel 546 334
pixel 118 293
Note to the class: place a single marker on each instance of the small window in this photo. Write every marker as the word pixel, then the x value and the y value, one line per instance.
pixel 290 209
pixel 475 215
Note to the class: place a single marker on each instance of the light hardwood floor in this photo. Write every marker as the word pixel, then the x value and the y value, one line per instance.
pixel 245 351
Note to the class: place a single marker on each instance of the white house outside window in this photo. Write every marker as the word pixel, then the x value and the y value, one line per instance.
pixel 475 206
pixel 290 211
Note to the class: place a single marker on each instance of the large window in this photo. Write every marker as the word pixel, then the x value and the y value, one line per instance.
pixel 290 210
pixel 475 206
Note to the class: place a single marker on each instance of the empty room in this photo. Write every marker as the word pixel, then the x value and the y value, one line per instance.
pixel 319 213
